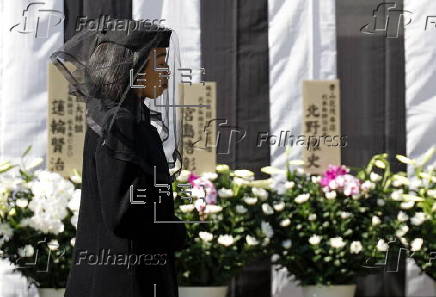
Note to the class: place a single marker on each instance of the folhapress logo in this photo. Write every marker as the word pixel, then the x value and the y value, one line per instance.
pixel 387 19
pixel 37 20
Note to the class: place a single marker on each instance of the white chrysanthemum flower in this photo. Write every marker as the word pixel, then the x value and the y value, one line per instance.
pixel 251 240
pixel 22 202
pixel 53 244
pixel 380 202
pixel 205 236
pixel 330 195
pixel 187 208
pixel 73 241
pixel 74 203
pixel 285 222
pixel 312 217
pixel 407 204
pixel 375 220
pixel 382 246
pixel 374 177
pixel 302 198
pixel 240 181
pixel 241 209
pixel 345 215
pixel 74 219
pixel 289 185
pixel 418 218
pixel 367 186
pixel 226 239
pixel 52 194
pixel 315 179
pixel 279 206
pixel 404 241
pixel 26 251
pixel 397 195
pixel 77 179
pixel 211 209
pixel 286 244
pixel 402 231
pixel 250 200
pixel 225 193
pixel 267 209
pixel 183 176
pixel 267 229
pixel 210 176
pixel 315 239
pixel 356 247
pixel 261 193
pixel 222 168
pixel 402 216
pixel 416 244
pixel 245 174
pixel 337 242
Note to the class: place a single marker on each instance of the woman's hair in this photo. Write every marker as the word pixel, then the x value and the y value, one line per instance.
pixel 108 71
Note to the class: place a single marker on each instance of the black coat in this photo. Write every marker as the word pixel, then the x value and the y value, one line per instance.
pixel 113 232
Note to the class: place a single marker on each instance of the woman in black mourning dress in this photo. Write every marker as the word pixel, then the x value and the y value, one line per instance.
pixel 120 251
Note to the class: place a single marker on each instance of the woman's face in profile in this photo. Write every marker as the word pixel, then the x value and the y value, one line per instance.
pixel 154 75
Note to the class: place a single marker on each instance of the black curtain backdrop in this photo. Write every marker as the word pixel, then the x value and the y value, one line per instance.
pixel 235 55
pixel 234 40
pixel 372 73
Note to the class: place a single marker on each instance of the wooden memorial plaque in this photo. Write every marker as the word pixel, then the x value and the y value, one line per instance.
pixel 321 125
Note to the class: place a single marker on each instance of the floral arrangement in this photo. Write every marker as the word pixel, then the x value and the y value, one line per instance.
pixel 38 217
pixel 329 229
pixel 325 229
pixel 232 233
pixel 416 217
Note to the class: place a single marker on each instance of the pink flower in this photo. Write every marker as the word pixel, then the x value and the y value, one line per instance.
pixel 192 177
pixel 331 173
pixel 198 182
pixel 337 178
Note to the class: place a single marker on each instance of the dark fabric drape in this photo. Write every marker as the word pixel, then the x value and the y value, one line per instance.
pixel 93 9
pixel 371 69
pixel 234 38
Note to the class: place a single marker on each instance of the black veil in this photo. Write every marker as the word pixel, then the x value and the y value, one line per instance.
pixel 102 67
